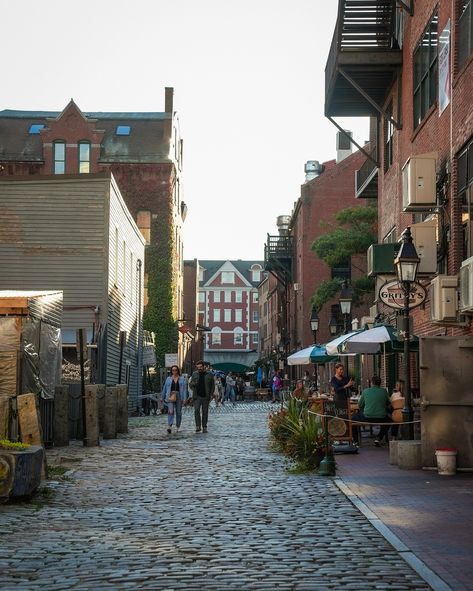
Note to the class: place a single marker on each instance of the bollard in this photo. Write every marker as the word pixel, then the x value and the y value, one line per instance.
pixel 409 455
pixel 28 419
pixel 4 417
pixel 61 416
pixel 110 413
pixel 393 452
pixel 122 408
pixel 91 416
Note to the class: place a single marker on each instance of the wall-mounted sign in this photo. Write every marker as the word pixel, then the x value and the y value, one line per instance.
pixel 392 295
pixel 170 359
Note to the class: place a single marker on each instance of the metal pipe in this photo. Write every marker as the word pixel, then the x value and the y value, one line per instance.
pixel 407 413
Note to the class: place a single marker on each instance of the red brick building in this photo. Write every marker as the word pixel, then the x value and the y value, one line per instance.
pixel 144 153
pixel 228 306
pixel 410 68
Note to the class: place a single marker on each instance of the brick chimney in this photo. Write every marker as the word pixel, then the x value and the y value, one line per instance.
pixel 168 99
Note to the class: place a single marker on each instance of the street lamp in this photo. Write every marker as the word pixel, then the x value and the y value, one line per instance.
pixel 314 325
pixel 333 326
pixel 346 298
pixel 406 263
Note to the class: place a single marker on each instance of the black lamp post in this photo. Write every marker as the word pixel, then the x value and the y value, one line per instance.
pixel 406 263
pixel 314 326
pixel 346 298
pixel 333 326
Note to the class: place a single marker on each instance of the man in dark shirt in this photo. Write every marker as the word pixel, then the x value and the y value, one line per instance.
pixel 202 384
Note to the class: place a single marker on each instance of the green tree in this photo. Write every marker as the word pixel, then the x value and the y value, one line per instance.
pixel 355 232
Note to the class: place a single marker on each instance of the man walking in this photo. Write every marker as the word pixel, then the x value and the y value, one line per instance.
pixel 202 384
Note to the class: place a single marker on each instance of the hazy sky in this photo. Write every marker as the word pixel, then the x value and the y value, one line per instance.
pixel 249 90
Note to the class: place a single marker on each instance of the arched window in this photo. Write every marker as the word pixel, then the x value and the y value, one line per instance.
pixel 59 157
pixel 84 157
pixel 216 335
pixel 256 273
pixel 238 336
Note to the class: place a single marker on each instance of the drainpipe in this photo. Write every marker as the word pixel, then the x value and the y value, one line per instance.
pixel 139 356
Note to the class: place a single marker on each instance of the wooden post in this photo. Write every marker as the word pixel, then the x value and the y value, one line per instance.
pixel 101 405
pixel 122 408
pixel 91 416
pixel 4 417
pixel 28 419
pixel 61 416
pixel 110 414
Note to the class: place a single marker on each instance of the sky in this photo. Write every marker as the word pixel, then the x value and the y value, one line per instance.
pixel 248 78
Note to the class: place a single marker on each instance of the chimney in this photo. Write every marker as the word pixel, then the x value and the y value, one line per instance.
pixel 312 169
pixel 282 222
pixel 168 99
pixel 344 145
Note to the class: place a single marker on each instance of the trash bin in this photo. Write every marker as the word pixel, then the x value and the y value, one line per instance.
pixel 446 460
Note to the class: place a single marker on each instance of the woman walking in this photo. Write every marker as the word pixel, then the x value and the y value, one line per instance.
pixel 175 393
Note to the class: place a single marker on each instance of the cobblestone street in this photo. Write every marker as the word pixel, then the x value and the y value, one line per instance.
pixel 215 511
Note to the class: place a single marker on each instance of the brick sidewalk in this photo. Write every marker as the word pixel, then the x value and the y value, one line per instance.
pixel 431 514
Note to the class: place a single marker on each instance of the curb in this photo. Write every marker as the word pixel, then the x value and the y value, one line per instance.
pixel 426 573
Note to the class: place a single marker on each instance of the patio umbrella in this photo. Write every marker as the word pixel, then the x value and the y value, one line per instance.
pixel 312 354
pixel 379 339
pixel 337 346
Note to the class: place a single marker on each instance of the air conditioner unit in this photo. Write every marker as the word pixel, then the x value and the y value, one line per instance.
pixel 419 178
pixel 444 298
pixel 466 286
pixel 380 259
pixel 296 286
pixel 424 236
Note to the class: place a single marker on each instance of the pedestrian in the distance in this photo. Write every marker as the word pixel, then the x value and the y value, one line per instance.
pixel 175 393
pixel 230 389
pixel 202 383
pixel 276 386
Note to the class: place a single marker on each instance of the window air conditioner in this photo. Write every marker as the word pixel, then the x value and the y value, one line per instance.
pixel 444 298
pixel 466 286
pixel 424 236
pixel 419 190
pixel 297 286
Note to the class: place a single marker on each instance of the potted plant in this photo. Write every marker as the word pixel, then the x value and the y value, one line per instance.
pixel 20 469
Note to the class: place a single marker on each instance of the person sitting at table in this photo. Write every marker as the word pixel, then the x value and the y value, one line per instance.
pixel 374 405
pixel 300 392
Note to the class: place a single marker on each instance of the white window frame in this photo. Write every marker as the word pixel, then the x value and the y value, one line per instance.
pixel 216 314
pixel 228 277
pixel 216 336
pixel 201 297
pixel 216 297
pixel 255 316
pixel 255 297
pixel 227 297
pixel 227 315
pixel 238 336
pixel 238 297
pixel 238 315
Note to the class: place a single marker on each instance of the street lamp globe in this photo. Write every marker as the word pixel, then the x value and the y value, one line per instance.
pixel 346 298
pixel 314 320
pixel 407 260
pixel 333 326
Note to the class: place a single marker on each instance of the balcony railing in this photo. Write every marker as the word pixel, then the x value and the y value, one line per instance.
pixel 366 178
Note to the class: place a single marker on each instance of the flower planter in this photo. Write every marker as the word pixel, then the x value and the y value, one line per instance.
pixel 20 472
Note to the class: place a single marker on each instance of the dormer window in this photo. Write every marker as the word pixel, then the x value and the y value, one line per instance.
pixel 35 128
pixel 123 130
pixel 84 157
pixel 59 157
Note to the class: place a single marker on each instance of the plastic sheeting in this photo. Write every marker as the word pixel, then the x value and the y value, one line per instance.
pixel 42 358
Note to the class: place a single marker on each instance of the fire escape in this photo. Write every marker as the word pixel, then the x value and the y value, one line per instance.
pixel 365 59
pixel 278 260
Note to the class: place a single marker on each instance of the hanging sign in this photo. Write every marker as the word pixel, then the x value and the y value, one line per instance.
pixel 444 68
pixel 392 295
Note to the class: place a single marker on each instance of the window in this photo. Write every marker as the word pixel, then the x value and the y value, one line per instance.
pixel 238 336
pixel 216 315
pixel 115 268
pixel 227 315
pixel 255 338
pixel 425 71
pixel 228 277
pixel 256 275
pixel 465 32
pixel 59 157
pixel 124 266
pixel 84 157
pixel 216 296
pixel 388 139
pixel 35 128
pixel 143 221
pixel 255 316
pixel 342 272
pixel 465 193
pixel 145 289
pixel 201 297
pixel 238 315
pixel 255 297
pixel 132 268
pixel 123 130
pixel 201 274
pixel 238 297
pixel 216 336
pixel 227 296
